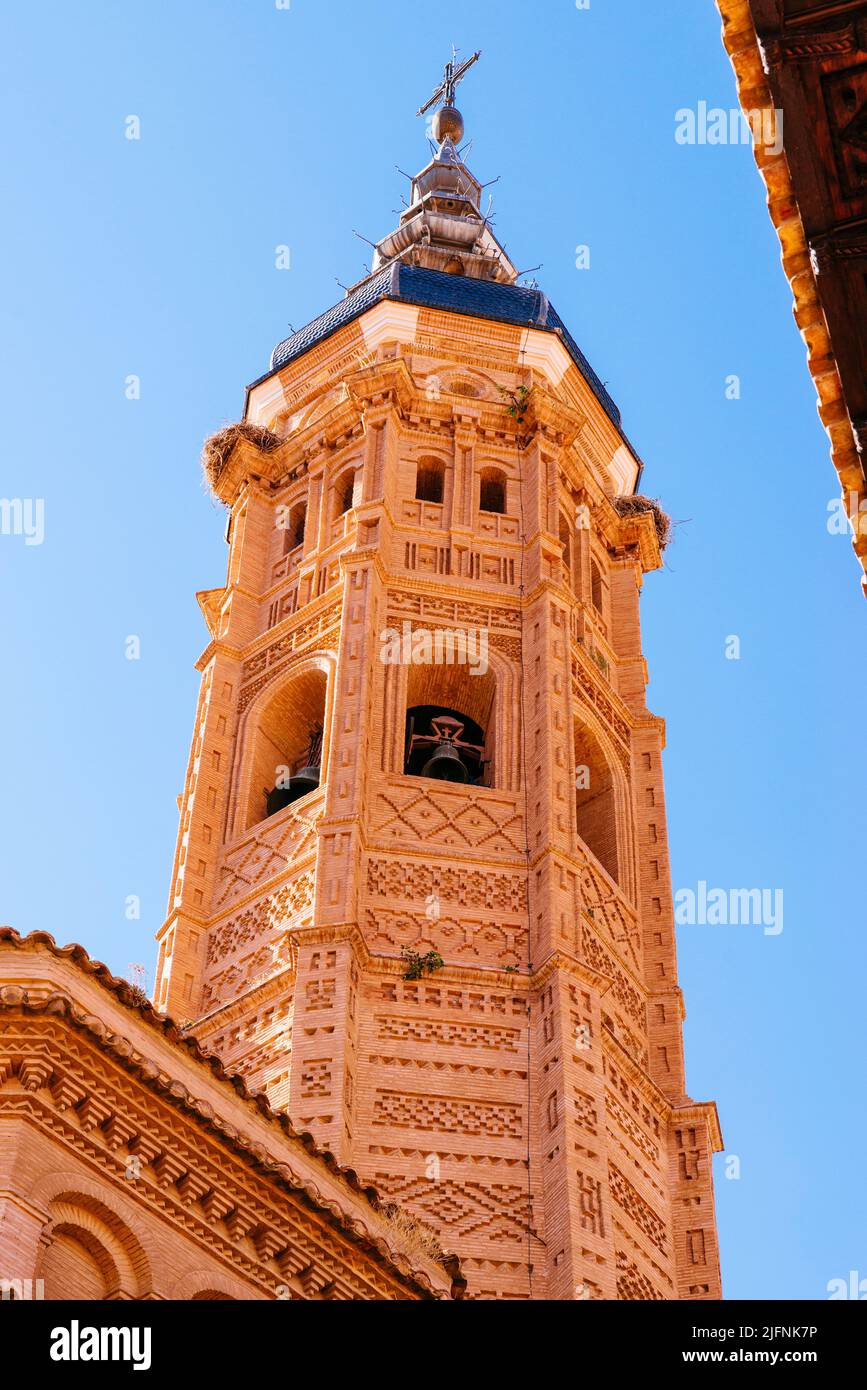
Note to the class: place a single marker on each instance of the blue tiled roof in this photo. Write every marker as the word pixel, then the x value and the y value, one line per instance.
pixel 364 298
pixel 458 294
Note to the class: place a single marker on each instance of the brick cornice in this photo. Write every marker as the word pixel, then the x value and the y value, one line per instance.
pixel 56 1006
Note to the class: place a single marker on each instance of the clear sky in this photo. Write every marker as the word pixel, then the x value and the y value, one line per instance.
pixel 156 258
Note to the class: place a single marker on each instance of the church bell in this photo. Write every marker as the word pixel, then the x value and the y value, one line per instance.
pixel 305 780
pixel 446 765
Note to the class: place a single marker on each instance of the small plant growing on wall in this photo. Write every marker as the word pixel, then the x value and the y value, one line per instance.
pixel 417 966
pixel 601 661
pixel 595 655
pixel 519 400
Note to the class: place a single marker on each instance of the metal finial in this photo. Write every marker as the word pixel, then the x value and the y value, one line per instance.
pixel 448 121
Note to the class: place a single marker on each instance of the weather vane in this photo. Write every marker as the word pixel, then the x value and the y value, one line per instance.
pixel 448 121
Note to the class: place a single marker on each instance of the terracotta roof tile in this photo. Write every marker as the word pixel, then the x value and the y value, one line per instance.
pixel 12 996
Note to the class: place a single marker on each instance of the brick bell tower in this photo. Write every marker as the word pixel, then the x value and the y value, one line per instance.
pixel 422 736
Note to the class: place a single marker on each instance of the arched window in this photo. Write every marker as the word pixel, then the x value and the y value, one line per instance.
pixel 344 493
pixel 595 807
pixel 596 587
pixel 492 490
pixel 566 542
pixel 295 527
pixel 287 747
pixel 429 477
pixel 450 723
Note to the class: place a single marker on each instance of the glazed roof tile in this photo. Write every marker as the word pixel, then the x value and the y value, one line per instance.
pixel 457 294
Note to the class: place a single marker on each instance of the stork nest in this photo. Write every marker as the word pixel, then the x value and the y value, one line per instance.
pixel 217 449
pixel 637 505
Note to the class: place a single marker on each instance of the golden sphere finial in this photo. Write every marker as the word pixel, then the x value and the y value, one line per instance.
pixel 448 123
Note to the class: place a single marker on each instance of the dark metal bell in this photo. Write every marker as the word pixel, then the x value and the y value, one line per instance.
pixel 446 765
pixel 304 781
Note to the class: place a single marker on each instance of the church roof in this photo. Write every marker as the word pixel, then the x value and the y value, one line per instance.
pixel 343 1215
pixel 458 294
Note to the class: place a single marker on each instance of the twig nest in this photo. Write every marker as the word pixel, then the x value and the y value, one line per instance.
pixel 638 504
pixel 217 449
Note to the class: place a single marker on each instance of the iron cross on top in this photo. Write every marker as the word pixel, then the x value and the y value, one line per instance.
pixel 452 75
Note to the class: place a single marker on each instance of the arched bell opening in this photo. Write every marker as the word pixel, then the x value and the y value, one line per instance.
pixel 344 492
pixel 287 747
pixel 429 480
pixel 595 801
pixel 450 719
pixel 565 535
pixel 596 588
pixel 295 526
pixel 492 491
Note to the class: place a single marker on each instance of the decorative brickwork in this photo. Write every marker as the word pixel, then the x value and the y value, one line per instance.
pixel 133 1167
pixel 454 460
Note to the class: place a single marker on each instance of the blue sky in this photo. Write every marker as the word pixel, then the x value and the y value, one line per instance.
pixel 155 257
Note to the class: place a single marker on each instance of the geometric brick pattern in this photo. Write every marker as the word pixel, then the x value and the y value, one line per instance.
pixel 528 1097
pixel 447 1116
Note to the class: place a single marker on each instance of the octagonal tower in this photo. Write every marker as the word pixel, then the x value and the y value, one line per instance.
pixel 421 894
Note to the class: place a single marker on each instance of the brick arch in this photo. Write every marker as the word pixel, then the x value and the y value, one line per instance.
pixel 425 455
pixel 318 409
pixel 505 676
pixel 427 452
pixel 86 1220
pixel 502 474
pixel 294 519
pixel 69 1185
pixel 505 465
pixel 197 1285
pixel 566 537
pixel 69 1248
pixel 431 475
pixel 311 664
pixel 587 725
pixel 344 488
